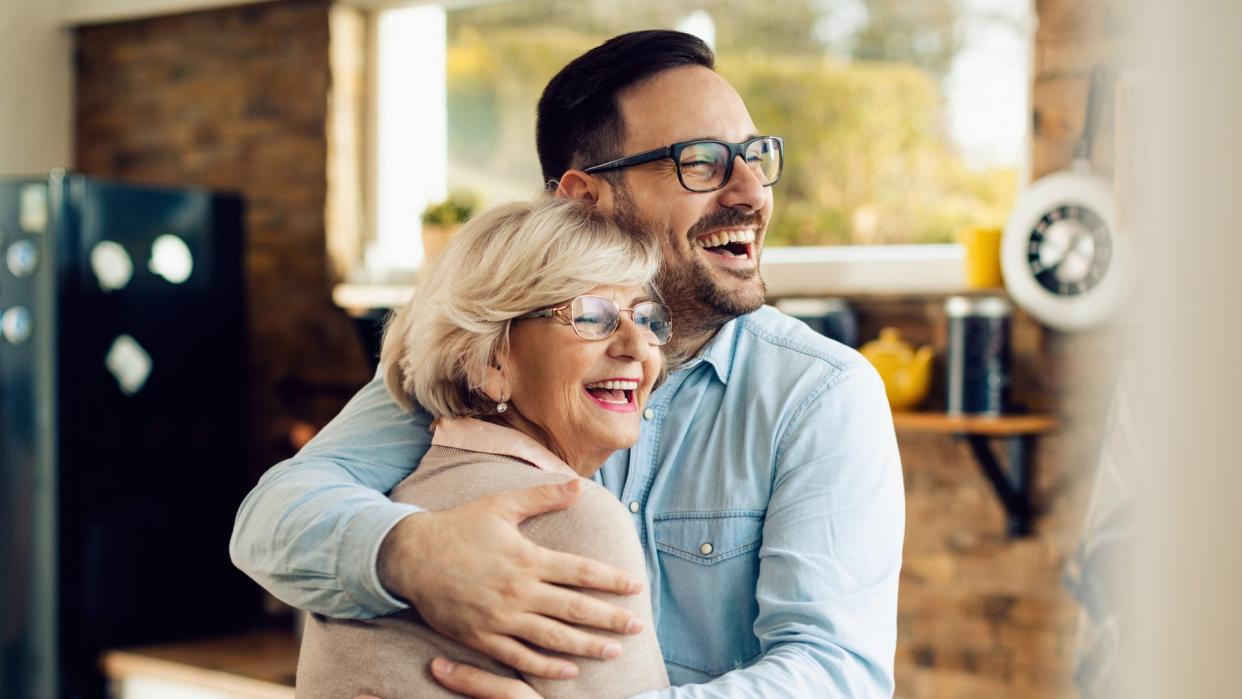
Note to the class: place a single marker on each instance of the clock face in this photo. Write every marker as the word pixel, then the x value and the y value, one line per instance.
pixel 1069 250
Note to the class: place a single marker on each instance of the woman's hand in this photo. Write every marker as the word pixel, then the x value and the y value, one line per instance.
pixel 474 578
pixel 476 683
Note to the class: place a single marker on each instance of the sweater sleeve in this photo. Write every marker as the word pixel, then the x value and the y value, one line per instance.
pixel 599 527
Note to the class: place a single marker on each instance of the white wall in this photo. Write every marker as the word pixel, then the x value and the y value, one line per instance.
pixel 95 11
pixel 1188 612
pixel 35 88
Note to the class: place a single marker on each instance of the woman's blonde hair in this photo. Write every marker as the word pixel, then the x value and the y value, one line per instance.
pixel 506 262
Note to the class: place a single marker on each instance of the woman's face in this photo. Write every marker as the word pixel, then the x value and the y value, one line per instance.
pixel 555 380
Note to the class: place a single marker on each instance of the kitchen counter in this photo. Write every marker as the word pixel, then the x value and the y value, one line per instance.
pixel 255 665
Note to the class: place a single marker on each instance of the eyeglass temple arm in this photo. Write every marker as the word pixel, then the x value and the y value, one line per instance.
pixel 636 159
pixel 545 313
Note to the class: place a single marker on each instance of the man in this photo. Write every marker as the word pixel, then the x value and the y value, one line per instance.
pixel 765 487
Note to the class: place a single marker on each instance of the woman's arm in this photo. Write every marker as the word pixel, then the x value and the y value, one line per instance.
pixel 598 527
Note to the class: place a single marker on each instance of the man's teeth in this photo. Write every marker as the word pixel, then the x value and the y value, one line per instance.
pixel 719 238
pixel 622 385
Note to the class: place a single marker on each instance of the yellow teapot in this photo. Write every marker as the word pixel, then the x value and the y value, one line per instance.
pixel 906 373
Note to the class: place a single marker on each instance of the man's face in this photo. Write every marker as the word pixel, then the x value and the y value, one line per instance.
pixel 705 282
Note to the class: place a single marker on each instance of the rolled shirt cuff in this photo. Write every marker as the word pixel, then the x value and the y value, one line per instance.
pixel 359 560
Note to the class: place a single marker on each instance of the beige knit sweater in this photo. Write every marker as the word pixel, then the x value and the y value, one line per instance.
pixel 390 657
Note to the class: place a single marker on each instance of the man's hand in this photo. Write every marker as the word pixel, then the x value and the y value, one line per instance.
pixel 474 578
pixel 479 684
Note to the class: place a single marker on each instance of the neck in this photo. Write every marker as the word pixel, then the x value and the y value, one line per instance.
pixel 695 322
pixel 693 327
pixel 683 348
pixel 584 465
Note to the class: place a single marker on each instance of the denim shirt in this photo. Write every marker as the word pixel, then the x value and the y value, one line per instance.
pixel 765 487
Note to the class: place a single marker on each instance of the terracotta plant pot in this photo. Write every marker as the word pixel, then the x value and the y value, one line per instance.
pixel 435 239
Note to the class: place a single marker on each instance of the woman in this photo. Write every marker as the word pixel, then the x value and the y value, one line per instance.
pixel 534 343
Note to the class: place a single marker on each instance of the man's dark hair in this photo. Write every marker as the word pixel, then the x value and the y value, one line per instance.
pixel 578 122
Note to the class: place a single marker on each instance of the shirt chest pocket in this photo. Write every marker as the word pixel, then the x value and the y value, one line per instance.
pixel 710 565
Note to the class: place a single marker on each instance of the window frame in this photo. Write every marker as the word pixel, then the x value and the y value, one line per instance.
pixel 788 271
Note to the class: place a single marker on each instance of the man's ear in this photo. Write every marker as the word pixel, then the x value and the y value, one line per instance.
pixel 576 184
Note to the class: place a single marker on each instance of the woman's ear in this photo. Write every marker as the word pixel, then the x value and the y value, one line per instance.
pixel 496 386
pixel 576 184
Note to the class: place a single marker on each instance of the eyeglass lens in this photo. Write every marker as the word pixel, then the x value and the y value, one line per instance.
pixel 596 318
pixel 703 165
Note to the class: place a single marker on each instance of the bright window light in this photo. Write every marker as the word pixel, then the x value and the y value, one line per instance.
pixel 700 24
pixel 411 159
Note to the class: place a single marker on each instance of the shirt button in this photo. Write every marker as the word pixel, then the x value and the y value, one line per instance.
pixel 633 506
pixel 706 549
pixel 648 414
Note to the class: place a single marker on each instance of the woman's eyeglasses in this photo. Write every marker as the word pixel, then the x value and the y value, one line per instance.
pixel 706 165
pixel 597 318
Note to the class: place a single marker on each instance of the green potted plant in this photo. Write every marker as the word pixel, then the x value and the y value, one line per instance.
pixel 441 219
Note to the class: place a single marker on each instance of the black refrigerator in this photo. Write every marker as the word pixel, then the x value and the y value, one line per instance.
pixel 122 424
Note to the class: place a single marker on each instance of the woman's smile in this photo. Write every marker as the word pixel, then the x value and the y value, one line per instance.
pixel 582 395
pixel 614 394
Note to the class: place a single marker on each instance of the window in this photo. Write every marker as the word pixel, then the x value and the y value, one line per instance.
pixel 903 121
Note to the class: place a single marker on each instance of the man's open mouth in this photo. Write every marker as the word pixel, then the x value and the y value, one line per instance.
pixel 614 394
pixel 737 244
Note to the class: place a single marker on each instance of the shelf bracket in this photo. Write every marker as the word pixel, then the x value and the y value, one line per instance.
pixel 1013 485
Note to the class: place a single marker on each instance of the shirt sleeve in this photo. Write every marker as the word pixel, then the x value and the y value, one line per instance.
pixel 310 531
pixel 831 553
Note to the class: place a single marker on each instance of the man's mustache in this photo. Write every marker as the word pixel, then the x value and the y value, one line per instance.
pixel 728 218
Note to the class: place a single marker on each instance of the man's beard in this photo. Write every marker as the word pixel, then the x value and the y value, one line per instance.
pixel 698 303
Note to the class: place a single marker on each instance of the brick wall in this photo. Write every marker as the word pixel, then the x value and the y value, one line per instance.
pixel 237 99
pixel 1073 36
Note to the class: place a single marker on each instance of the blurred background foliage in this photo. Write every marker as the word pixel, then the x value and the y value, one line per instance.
pixel 861 111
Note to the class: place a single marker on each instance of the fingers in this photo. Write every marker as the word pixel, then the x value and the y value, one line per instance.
pixel 521 658
pixel 568 569
pixel 553 635
pixel 584 610
pixel 473 682
pixel 524 504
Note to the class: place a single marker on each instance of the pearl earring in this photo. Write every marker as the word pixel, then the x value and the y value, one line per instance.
pixel 502 406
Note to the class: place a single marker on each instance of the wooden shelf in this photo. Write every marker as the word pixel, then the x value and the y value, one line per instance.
pixel 1014 484
pixel 258 665
pixel 987 426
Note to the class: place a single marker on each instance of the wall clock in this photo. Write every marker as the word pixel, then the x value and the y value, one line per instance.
pixel 1062 257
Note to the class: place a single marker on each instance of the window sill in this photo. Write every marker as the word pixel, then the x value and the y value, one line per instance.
pixel 864 269
pixel 360 299
pixel 806 271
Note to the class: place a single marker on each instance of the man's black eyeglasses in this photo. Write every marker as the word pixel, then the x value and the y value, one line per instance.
pixel 706 165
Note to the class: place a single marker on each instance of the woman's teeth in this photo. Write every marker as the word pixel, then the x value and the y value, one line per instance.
pixel 616 392
pixel 623 385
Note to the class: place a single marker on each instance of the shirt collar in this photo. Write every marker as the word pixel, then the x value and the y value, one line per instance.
pixel 473 434
pixel 719 351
